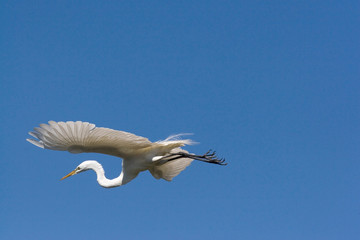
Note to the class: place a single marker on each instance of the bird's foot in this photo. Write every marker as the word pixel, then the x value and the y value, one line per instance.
pixel 208 157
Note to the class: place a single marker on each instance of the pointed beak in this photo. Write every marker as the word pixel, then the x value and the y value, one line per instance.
pixel 70 174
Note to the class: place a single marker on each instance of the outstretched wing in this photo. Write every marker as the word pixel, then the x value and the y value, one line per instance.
pixel 78 137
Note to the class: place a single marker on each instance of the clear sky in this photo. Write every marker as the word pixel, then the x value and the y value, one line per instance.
pixel 273 86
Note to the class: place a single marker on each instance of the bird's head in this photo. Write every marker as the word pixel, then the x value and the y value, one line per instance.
pixel 84 166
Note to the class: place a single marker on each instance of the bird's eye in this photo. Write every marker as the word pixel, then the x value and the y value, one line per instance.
pixel 78 168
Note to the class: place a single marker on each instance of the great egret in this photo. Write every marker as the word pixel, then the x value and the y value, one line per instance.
pixel 164 159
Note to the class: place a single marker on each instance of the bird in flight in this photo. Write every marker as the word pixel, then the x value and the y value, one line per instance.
pixel 164 159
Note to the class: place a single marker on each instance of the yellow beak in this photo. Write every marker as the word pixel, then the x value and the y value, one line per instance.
pixel 70 174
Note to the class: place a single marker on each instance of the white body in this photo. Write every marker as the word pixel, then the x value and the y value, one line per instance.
pixel 138 153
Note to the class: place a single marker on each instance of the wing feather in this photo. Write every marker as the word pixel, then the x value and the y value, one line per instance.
pixel 171 169
pixel 78 137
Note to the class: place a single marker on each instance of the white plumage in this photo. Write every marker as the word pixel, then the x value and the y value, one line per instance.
pixel 164 159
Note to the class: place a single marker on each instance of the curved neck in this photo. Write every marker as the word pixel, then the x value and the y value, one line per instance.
pixel 102 180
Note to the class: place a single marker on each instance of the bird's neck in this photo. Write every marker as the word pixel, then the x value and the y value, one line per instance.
pixel 103 181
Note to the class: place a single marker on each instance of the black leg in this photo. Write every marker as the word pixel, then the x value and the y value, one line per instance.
pixel 208 157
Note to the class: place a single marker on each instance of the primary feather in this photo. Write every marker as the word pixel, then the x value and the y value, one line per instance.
pixel 78 137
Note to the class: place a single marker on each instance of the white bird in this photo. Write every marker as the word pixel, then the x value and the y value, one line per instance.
pixel 164 159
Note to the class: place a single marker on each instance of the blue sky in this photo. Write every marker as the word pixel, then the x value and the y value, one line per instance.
pixel 272 86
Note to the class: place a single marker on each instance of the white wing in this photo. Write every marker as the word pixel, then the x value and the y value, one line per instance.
pixel 78 137
pixel 171 169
